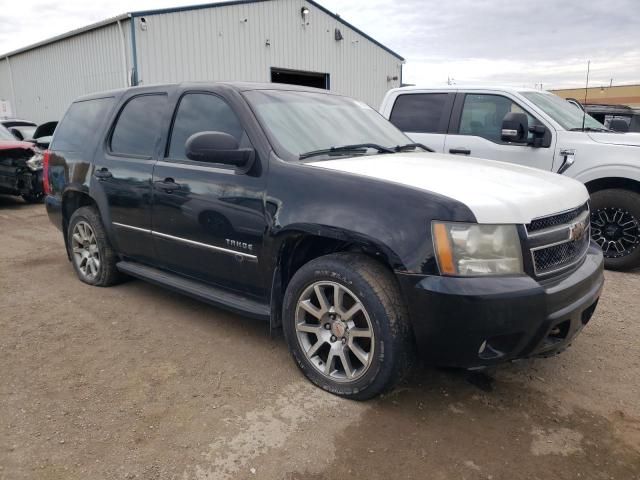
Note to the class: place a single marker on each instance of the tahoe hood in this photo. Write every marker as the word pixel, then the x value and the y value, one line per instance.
pixel 495 192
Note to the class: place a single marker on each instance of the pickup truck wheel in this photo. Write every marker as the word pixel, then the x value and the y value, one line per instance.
pixel 615 226
pixel 346 325
pixel 91 254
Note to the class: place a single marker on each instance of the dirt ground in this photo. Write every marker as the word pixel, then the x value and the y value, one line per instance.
pixel 134 382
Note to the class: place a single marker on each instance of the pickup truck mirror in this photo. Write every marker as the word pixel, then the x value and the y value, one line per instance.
pixel 515 127
pixel 218 147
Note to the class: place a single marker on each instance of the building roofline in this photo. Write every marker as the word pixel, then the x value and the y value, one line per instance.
pixel 243 2
pixel 72 33
pixel 141 13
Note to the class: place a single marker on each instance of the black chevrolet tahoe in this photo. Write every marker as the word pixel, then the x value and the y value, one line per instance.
pixel 310 211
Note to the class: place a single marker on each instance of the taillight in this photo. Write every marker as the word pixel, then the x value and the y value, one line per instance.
pixel 45 172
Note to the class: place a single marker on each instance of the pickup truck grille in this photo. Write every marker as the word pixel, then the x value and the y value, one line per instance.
pixel 559 241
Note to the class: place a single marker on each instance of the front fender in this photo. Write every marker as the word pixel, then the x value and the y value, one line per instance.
pixel 597 172
pixel 393 219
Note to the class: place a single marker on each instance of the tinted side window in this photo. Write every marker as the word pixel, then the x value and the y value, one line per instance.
pixel 81 122
pixel 138 126
pixel 420 112
pixel 482 115
pixel 201 112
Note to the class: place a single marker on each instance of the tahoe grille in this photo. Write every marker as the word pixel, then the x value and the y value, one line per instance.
pixel 555 220
pixel 559 241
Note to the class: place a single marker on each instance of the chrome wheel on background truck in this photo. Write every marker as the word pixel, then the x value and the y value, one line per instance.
pixel 615 226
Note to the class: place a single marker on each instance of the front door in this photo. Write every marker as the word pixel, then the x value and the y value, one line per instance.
pixel 122 175
pixel 208 219
pixel 477 132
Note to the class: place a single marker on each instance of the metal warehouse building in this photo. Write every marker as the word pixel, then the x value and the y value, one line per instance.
pixel 288 41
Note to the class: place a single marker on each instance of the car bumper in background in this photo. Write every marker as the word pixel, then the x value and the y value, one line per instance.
pixel 474 322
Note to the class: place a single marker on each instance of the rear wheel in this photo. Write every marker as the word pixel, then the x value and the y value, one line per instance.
pixel 91 254
pixel 347 326
pixel 615 226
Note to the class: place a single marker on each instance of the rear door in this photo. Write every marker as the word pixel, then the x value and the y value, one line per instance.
pixel 208 219
pixel 123 171
pixel 476 128
pixel 423 116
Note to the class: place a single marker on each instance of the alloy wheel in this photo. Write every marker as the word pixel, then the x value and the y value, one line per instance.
pixel 86 254
pixel 334 331
pixel 616 231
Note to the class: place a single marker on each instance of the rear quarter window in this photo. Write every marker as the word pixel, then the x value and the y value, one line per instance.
pixel 82 122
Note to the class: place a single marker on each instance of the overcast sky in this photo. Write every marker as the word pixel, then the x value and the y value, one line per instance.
pixel 504 41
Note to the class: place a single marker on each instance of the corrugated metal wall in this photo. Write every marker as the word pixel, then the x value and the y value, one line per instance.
pixel 6 93
pixel 218 43
pixel 230 43
pixel 48 78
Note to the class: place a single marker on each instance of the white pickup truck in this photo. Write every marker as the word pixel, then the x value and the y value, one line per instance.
pixel 535 129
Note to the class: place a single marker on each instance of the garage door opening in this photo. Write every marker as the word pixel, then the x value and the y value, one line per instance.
pixel 299 77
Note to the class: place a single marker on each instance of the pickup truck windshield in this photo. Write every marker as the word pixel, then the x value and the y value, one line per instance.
pixel 302 122
pixel 568 116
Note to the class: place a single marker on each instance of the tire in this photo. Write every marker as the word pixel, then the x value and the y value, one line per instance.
pixel 376 363
pixel 615 226
pixel 91 244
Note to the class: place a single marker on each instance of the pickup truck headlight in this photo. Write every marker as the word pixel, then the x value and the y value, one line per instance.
pixel 35 162
pixel 471 249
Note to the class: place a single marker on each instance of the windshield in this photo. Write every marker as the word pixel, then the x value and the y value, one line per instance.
pixel 567 115
pixel 302 122
pixel 6 134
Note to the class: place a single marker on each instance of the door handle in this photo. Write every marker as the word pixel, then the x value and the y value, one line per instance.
pixel 168 185
pixel 460 151
pixel 102 173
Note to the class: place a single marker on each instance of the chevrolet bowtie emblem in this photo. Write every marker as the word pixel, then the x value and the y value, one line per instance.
pixel 577 231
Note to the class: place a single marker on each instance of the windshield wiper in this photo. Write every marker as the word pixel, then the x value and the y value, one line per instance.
pixel 409 146
pixel 589 129
pixel 360 147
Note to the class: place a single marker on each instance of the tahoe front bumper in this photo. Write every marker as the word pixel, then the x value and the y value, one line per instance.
pixel 474 322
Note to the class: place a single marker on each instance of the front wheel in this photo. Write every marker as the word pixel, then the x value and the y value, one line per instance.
pixel 347 326
pixel 615 226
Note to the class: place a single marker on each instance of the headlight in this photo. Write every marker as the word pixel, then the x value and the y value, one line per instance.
pixel 35 162
pixel 470 249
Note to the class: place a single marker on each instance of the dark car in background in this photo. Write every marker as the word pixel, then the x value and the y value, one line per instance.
pixel 620 118
pixel 20 168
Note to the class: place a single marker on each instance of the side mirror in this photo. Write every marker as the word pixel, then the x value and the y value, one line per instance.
pixel 515 128
pixel 618 125
pixel 218 147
